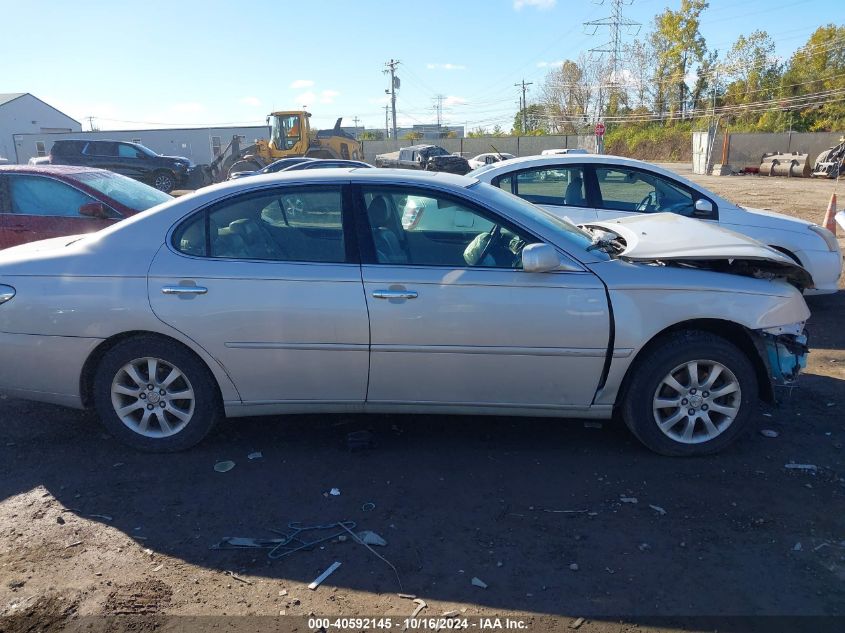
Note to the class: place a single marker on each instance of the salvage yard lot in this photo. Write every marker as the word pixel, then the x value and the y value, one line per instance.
pixel 89 527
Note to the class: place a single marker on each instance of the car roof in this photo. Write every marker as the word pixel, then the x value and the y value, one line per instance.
pixel 53 170
pixel 524 162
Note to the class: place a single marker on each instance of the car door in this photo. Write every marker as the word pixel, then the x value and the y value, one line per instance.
pixel 275 297
pixel 624 191
pixel 560 189
pixel 38 207
pixel 454 320
pixel 131 162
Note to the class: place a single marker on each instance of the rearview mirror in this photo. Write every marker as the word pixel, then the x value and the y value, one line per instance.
pixel 539 258
pixel 94 210
pixel 703 208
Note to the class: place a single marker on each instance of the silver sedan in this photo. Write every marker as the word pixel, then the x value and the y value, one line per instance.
pixel 395 291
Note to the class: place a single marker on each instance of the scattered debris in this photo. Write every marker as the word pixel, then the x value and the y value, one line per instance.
pixel 118 465
pixel 224 467
pixel 420 606
pixel 387 562
pixel 74 544
pixel 609 570
pixel 369 537
pixel 368 507
pixel 477 582
pixel 564 511
pixel 60 520
pixel 342 538
pixel 574 567
pixel 644 546
pixel 576 624
pixel 335 492
pixel 768 415
pixel 319 579
pixel 657 509
pixel 232 574
pixel 499 564
pixel 806 467
pixel 283 592
pixel 769 433
pixel 628 499
pixel 104 517
pixel 255 455
pixel 450 614
pixel 797 547
pixel 408 596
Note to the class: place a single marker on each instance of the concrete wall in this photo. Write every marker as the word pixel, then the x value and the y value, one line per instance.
pixel 469 147
pixel 193 143
pixel 26 114
pixel 746 149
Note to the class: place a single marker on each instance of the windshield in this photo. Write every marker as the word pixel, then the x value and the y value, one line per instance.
pixel 130 193
pixel 144 149
pixel 501 198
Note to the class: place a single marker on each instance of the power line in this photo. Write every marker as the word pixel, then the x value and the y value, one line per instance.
pixel 615 23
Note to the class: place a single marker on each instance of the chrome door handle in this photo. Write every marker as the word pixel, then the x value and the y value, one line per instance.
pixel 184 290
pixel 395 294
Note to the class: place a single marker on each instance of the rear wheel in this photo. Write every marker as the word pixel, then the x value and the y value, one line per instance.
pixel 155 395
pixel 693 394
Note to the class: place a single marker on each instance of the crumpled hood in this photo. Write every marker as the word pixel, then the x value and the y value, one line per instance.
pixel 670 237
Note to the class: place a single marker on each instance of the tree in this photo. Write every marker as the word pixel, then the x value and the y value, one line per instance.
pixel 751 74
pixel 372 135
pixel 412 136
pixel 678 45
pixel 536 121
pixel 569 94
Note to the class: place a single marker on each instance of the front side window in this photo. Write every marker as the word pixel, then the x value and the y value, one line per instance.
pixel 36 195
pixel 416 227
pixel 292 224
pixel 624 189
pixel 553 186
pixel 127 151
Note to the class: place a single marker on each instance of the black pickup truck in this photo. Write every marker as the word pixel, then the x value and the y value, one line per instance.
pixel 425 157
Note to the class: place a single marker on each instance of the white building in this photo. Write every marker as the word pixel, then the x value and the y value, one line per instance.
pixel 22 113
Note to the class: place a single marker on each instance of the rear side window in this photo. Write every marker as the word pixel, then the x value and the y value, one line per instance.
pixel 37 195
pixel 100 148
pixel 552 185
pixel 294 224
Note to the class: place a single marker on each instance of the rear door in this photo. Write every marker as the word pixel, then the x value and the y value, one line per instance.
pixel 270 285
pixel 40 207
pixel 562 190
pixel 131 161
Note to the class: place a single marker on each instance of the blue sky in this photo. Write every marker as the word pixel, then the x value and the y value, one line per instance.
pixel 136 64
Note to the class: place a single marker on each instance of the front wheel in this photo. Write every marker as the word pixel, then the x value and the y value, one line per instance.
pixel 164 181
pixel 155 395
pixel 693 394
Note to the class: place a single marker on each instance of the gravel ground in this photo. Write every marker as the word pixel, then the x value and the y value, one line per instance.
pixel 559 519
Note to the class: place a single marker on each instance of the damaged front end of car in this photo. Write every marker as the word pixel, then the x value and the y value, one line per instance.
pixel 784 350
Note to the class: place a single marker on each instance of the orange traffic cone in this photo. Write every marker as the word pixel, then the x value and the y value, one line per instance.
pixel 829 216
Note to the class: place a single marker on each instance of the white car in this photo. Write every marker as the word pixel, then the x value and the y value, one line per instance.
pixel 562 151
pixel 586 188
pixel 489 159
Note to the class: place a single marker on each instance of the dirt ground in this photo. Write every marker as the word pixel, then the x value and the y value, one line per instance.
pixel 559 519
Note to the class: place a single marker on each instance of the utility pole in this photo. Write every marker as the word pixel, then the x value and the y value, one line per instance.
pixel 355 119
pixel 91 125
pixel 615 22
pixel 390 67
pixel 523 104
pixel 438 110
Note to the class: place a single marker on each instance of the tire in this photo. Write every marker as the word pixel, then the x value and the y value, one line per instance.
pixel 729 414
pixel 175 425
pixel 164 181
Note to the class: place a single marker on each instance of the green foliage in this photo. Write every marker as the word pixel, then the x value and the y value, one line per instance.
pixel 412 136
pixel 536 121
pixel 372 135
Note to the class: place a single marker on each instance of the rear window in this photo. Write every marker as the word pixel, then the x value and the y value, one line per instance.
pixel 130 193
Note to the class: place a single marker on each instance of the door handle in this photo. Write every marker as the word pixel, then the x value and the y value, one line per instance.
pixel 395 294
pixel 184 290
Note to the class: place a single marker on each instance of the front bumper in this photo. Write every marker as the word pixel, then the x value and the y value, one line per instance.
pixel 825 268
pixel 785 351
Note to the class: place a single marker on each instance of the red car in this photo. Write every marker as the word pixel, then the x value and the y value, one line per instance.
pixel 42 201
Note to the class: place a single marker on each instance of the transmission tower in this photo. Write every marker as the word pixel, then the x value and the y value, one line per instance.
pixel 615 23
pixel 438 111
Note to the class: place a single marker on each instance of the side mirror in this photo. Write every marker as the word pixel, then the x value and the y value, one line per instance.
pixel 94 210
pixel 539 258
pixel 703 208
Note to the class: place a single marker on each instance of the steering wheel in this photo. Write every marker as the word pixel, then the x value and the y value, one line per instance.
pixel 492 236
pixel 648 203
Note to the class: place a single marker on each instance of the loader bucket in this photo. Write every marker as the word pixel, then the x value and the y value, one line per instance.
pixel 791 165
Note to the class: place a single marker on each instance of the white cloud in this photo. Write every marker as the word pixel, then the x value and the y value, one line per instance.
pixel 251 101
pixel 542 5
pixel 445 66
pixel 188 107
pixel 305 98
pixel 328 96
pixel 299 84
pixel 550 64
pixel 454 101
